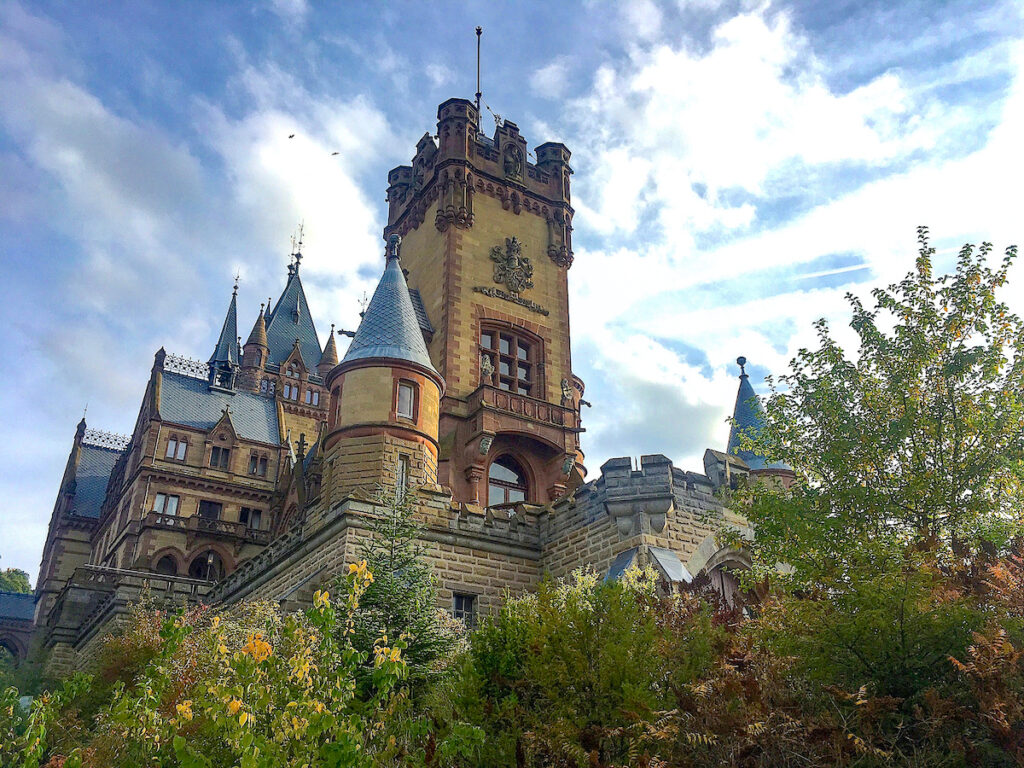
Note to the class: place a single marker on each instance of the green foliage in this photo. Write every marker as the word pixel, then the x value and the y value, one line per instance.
pixel 401 601
pixel 920 439
pixel 14 580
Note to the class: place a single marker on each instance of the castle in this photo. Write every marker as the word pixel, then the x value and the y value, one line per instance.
pixel 253 475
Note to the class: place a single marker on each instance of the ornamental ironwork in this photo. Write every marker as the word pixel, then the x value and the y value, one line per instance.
pixel 102 439
pixel 186 366
pixel 511 268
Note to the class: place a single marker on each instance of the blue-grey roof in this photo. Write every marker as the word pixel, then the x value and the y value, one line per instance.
pixel 421 312
pixel 623 562
pixel 289 321
pixel 15 605
pixel 226 350
pixel 748 420
pixel 190 402
pixel 390 328
pixel 95 464
pixel 666 561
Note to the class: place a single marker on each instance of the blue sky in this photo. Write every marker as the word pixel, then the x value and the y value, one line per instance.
pixel 739 167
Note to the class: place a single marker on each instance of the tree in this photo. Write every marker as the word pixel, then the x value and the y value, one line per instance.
pixel 402 599
pixel 918 442
pixel 14 580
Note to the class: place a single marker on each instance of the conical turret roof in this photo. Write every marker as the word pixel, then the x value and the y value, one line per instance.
pixel 290 320
pixel 389 329
pixel 258 336
pixel 330 355
pixel 748 420
pixel 226 350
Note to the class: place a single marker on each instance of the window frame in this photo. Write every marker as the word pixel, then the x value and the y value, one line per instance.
pixel 208 505
pixel 519 339
pixel 506 485
pixel 246 516
pixel 160 503
pixel 413 389
pixel 220 458
pixel 467 614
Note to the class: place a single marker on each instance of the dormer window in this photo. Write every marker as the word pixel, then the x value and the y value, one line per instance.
pixel 258 465
pixel 219 457
pixel 292 372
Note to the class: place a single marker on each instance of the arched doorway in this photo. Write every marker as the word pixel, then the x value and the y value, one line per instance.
pixel 506 482
pixel 206 566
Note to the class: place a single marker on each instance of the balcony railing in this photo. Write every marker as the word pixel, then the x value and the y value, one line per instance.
pixel 205 526
pixel 523 405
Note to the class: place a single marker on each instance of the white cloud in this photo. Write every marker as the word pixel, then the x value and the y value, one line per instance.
pixel 550 81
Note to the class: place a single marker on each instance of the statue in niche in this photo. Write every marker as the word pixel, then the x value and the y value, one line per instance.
pixel 513 161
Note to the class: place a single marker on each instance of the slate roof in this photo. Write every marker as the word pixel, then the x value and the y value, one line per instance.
pixel 226 350
pixel 421 312
pixel 95 463
pixel 190 402
pixel 622 563
pixel 15 605
pixel 669 564
pixel 748 418
pixel 390 328
pixel 291 320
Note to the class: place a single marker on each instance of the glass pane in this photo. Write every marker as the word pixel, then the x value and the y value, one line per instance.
pixel 505 384
pixel 405 400
pixel 171 446
pixel 506 345
pixel 171 508
pixel 524 388
pixel 514 494
pixel 487 340
pixel 159 502
pixel 256 519
pixel 503 368
pixel 181 450
pixel 524 351
pixel 495 495
pixel 524 371
pixel 505 468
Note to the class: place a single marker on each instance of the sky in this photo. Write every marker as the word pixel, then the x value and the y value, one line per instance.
pixel 739 167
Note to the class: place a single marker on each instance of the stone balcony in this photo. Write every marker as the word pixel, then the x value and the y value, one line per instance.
pixel 195 526
pixel 488 397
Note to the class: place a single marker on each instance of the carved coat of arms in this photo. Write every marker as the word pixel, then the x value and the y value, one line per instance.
pixel 511 268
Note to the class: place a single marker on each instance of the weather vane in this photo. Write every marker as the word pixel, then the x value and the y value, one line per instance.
pixel 363 304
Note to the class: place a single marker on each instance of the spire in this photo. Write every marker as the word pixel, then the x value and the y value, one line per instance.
pixel 226 351
pixel 258 337
pixel 291 318
pixel 389 329
pixel 329 358
pixel 748 420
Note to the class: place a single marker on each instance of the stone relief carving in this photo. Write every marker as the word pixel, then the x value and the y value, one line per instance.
pixel 512 161
pixel 511 268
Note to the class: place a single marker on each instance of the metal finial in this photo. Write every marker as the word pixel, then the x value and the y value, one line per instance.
pixel 479 32
pixel 741 361
pixel 238 277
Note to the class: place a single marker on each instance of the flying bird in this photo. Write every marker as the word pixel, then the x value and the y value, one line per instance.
pixel 335 153
pixel 291 135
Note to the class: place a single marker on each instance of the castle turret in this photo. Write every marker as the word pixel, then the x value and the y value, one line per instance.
pixel 385 395
pixel 748 421
pixel 254 354
pixel 223 363
pixel 329 358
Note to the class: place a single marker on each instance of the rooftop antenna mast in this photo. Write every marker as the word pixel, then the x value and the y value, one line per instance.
pixel 479 32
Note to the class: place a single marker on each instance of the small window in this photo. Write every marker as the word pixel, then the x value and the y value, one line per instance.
pixel 264 386
pixel 464 607
pixel 251 518
pixel 219 457
pixel 316 398
pixel 176 449
pixel 210 510
pixel 506 482
pixel 293 371
pixel 165 505
pixel 402 477
pixel 263 466
pixel 258 465
pixel 167 566
pixel 406 399
pixel 287 391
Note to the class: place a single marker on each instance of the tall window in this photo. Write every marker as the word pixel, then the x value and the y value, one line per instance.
pixel 176 448
pixel 464 607
pixel 251 518
pixel 312 397
pixel 506 482
pixel 406 400
pixel 402 477
pixel 513 358
pixel 268 386
pixel 166 505
pixel 257 465
pixel 219 457
pixel 210 510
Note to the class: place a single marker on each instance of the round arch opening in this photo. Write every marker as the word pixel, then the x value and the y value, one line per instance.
pixel 507 481
pixel 206 566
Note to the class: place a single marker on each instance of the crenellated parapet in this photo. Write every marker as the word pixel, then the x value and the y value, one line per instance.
pixel 452 167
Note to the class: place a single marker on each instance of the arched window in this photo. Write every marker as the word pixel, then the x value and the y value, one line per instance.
pixel 167 566
pixel 506 482
pixel 207 566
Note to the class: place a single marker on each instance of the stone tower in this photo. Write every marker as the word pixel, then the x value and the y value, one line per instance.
pixel 384 396
pixel 487 248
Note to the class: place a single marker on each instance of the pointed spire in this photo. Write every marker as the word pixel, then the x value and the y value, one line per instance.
pixel 258 336
pixel 748 420
pixel 389 329
pixel 226 351
pixel 329 358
